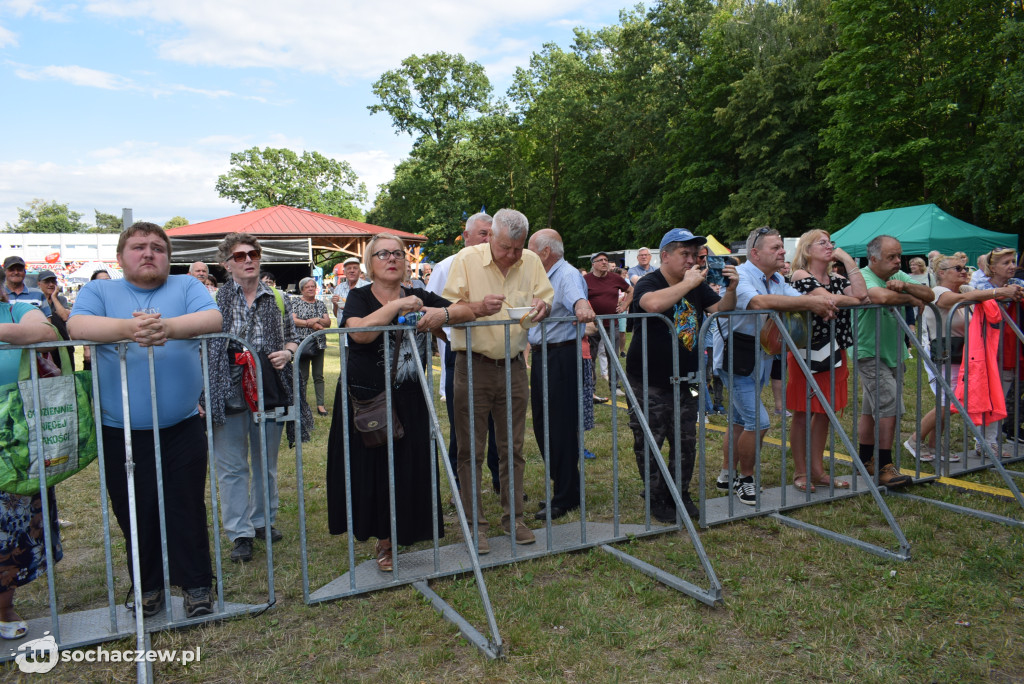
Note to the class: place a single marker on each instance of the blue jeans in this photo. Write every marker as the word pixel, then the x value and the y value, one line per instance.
pixel 241 505
pixel 745 406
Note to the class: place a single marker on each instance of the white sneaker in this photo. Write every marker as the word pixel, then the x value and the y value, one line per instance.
pixel 1003 452
pixel 923 454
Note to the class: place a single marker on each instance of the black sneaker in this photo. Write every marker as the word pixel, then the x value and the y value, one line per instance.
pixel 152 602
pixel 242 553
pixel 198 601
pixel 722 484
pixel 744 488
pixel 275 536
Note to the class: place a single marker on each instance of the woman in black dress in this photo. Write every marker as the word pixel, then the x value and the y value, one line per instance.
pixel 377 304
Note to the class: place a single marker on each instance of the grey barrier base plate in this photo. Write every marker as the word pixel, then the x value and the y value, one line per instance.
pixel 969 463
pixel 453 559
pixel 87 627
pixel 717 509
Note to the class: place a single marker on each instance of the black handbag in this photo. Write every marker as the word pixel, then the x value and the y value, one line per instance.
pixel 235 400
pixel 274 394
pixel 956 350
pixel 743 354
pixel 370 416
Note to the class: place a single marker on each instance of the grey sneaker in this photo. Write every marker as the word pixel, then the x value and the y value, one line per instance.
pixel 152 602
pixel 198 601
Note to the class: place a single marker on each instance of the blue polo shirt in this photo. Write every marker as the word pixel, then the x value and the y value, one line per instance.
pixel 32 296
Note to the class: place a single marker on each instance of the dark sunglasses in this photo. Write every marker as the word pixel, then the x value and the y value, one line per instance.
pixel 240 257
pixel 763 230
pixel 958 268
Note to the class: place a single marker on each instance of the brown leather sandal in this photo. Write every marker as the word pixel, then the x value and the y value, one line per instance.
pixel 384 560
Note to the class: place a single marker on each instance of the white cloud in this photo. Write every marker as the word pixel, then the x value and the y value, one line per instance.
pixel 346 38
pixel 36 8
pixel 157 181
pixel 93 78
pixel 8 38
pixel 75 75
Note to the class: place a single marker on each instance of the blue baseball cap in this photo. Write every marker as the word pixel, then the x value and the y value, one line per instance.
pixel 681 235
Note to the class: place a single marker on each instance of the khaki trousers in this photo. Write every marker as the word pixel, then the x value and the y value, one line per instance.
pixel 489 398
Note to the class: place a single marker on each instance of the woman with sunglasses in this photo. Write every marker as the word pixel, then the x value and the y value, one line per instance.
pixel 952 276
pixel 996 270
pixel 262 317
pixel 380 304
pixel 812 274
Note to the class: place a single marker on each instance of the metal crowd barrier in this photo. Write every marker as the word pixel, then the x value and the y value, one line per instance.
pixel 774 497
pixel 432 560
pixel 113 621
pixel 983 457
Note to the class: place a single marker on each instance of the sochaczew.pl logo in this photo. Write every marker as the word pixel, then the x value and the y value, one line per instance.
pixel 42 655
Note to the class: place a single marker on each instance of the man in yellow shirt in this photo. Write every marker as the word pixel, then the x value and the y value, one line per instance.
pixel 491 277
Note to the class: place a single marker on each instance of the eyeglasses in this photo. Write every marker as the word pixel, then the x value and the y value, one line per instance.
pixel 240 257
pixel 702 257
pixel 825 242
pixel 958 268
pixel 763 230
pixel 384 255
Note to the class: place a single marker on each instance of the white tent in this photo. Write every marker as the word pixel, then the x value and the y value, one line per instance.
pixel 85 271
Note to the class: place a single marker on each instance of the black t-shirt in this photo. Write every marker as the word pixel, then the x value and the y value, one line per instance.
pixel 366 361
pixel 686 315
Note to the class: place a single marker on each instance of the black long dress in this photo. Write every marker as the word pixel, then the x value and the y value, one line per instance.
pixel 371 513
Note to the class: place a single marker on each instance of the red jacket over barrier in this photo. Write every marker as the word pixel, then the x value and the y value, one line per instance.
pixel 986 403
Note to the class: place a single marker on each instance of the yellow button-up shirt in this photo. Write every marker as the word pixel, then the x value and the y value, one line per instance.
pixel 474 275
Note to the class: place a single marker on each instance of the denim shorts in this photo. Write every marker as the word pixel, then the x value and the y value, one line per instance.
pixel 745 405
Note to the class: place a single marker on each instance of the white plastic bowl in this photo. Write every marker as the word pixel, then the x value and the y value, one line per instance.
pixel 520 313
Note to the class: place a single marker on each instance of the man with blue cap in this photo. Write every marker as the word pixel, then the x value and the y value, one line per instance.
pixel 677 291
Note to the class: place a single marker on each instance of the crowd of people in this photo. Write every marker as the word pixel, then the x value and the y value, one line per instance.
pixel 493 273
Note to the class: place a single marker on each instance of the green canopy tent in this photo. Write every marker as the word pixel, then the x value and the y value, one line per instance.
pixel 921 229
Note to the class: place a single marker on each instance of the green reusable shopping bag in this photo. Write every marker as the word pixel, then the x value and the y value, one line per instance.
pixel 67 426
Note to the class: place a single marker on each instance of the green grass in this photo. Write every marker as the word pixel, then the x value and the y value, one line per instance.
pixel 797 606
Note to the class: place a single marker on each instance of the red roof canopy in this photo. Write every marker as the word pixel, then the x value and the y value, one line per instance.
pixel 288 222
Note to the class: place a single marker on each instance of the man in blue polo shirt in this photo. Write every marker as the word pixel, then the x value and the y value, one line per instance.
pixel 14 272
pixel 154 309
pixel 760 287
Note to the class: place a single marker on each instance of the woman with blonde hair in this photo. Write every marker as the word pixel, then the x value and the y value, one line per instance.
pixel 997 270
pixel 812 274
pixel 952 276
pixel 380 304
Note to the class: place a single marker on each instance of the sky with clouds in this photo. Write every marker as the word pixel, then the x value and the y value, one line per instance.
pixel 139 103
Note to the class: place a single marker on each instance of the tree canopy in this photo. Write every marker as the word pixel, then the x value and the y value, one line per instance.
pixel 43 216
pixel 719 116
pixel 265 178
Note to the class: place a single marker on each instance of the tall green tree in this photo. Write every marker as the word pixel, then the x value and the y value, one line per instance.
pixel 911 82
pixel 265 178
pixel 435 98
pixel 107 223
pixel 43 216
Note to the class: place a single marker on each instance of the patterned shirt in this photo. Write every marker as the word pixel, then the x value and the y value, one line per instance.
pixel 819 327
